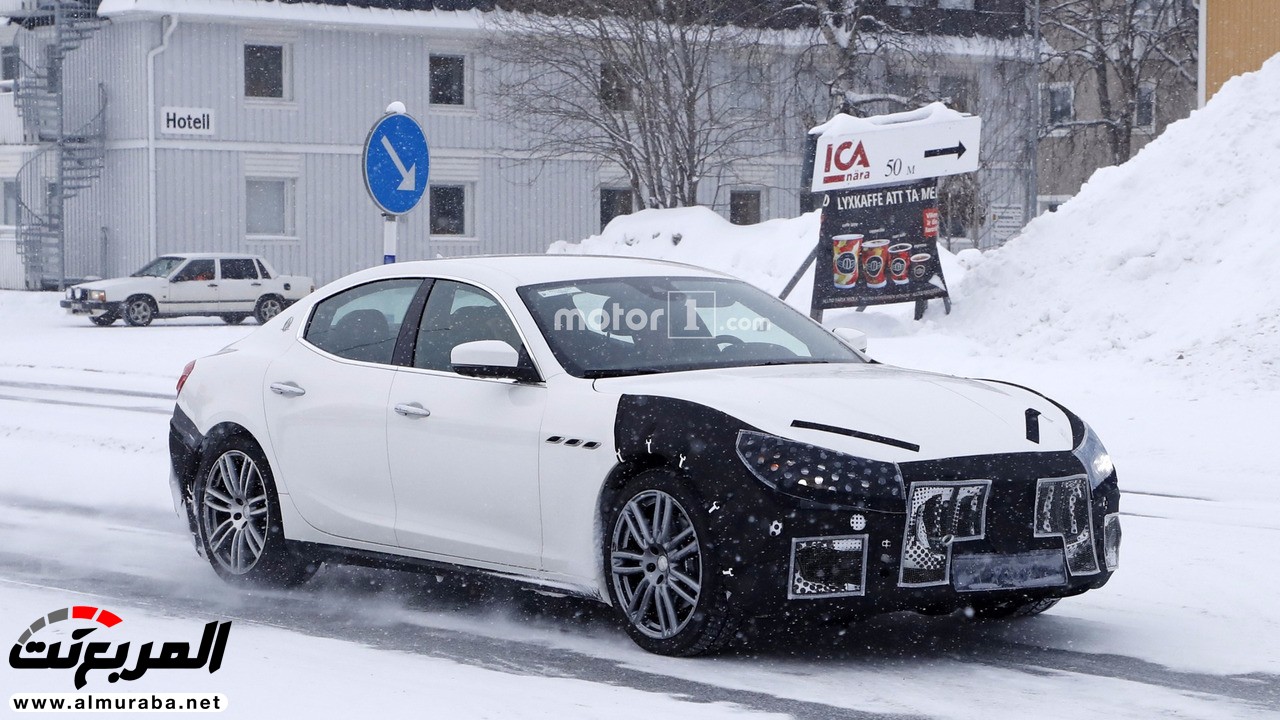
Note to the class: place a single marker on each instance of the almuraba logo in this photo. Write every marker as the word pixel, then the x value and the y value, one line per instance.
pixel 40 647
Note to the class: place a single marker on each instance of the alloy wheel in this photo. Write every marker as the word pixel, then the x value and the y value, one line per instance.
pixel 656 564
pixel 234 511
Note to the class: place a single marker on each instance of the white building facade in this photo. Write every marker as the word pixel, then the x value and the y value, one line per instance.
pixel 132 128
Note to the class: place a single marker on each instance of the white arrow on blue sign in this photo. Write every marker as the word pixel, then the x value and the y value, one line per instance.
pixel 396 163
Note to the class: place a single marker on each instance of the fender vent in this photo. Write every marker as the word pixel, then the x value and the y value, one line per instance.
pixel 573 442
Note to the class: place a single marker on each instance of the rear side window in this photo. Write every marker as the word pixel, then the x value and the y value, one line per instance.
pixel 362 323
pixel 239 269
pixel 266 274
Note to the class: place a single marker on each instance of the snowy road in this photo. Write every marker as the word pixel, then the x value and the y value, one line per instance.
pixel 1186 629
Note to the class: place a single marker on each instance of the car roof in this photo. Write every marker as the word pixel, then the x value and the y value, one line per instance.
pixel 518 270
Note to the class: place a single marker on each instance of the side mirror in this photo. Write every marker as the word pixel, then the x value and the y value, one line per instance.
pixel 855 339
pixel 489 359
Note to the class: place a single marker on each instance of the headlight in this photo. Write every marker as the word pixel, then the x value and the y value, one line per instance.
pixel 815 473
pixel 98 295
pixel 1094 457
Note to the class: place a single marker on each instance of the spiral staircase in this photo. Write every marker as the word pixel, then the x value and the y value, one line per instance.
pixel 68 156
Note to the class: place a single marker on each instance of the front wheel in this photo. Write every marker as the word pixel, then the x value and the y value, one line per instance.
pixel 664 580
pixel 268 307
pixel 103 320
pixel 238 517
pixel 139 311
pixel 232 319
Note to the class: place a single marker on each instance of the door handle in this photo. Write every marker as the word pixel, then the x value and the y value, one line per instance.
pixel 256 284
pixel 287 389
pixel 213 284
pixel 412 410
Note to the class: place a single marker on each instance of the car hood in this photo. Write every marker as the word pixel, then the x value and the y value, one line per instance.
pixel 117 283
pixel 945 416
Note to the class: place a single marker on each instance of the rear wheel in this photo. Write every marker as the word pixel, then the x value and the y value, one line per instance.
pixel 238 517
pixel 663 575
pixel 103 320
pixel 268 307
pixel 139 311
pixel 233 319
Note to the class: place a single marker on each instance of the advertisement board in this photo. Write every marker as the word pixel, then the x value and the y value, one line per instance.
pixel 878 245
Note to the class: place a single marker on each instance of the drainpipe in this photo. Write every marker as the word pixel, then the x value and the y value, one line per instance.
pixel 152 242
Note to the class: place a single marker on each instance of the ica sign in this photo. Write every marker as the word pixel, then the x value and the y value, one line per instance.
pixel 896 152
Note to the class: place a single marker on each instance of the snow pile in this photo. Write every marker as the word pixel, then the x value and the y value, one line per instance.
pixel 1170 258
pixel 765 255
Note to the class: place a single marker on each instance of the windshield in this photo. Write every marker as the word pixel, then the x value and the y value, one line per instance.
pixel 631 326
pixel 160 267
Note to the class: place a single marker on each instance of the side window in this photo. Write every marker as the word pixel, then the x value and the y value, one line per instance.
pixel 262 269
pixel 195 270
pixel 238 269
pixel 362 323
pixel 455 314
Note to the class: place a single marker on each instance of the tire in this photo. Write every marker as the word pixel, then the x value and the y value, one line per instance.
pixel 268 307
pixel 104 320
pixel 1010 609
pixel 665 588
pixel 238 521
pixel 232 319
pixel 139 310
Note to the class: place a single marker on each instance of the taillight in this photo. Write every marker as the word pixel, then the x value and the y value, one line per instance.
pixel 186 373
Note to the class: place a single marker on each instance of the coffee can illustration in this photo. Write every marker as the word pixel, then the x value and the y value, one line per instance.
pixel 920 269
pixel 899 261
pixel 845 250
pixel 875 256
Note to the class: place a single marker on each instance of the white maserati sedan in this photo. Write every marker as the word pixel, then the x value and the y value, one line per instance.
pixel 664 439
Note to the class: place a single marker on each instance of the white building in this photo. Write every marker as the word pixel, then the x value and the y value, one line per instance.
pixel 130 128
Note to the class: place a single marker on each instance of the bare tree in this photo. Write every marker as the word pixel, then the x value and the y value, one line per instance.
pixel 1120 49
pixel 650 86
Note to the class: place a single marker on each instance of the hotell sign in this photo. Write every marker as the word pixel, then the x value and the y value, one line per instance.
pixel 186 121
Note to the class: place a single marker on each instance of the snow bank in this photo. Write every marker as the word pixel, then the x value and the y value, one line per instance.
pixel 1170 258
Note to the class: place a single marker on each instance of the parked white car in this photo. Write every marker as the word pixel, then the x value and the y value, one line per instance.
pixel 229 286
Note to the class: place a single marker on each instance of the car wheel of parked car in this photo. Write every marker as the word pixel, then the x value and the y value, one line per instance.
pixel 268 307
pixel 664 579
pixel 238 516
pixel 233 319
pixel 139 311
pixel 1012 609
pixel 104 320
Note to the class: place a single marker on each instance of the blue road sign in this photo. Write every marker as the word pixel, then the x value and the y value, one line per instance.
pixel 396 163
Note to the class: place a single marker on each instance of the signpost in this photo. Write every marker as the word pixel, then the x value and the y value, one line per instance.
pixel 396 163
pixel 878 241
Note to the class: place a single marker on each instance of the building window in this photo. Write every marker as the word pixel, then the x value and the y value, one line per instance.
pixel 449 210
pixel 957 93
pixel 744 207
pixel 448 80
pixel 955 4
pixel 1144 112
pixel 615 91
pixel 1061 101
pixel 614 202
pixel 10 63
pixel 53 69
pixel 265 71
pixel 10 202
pixel 269 206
